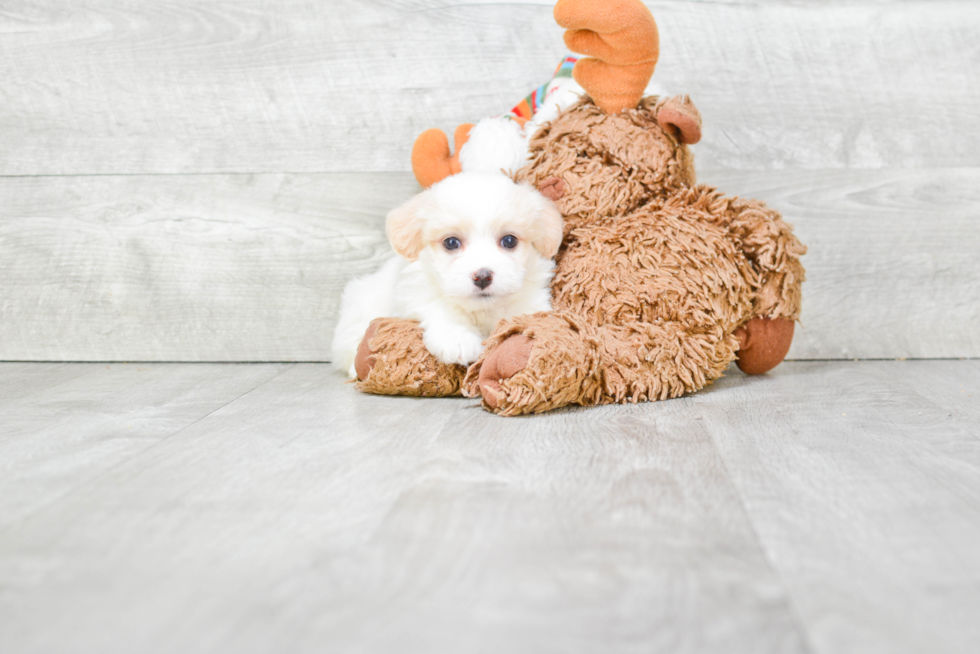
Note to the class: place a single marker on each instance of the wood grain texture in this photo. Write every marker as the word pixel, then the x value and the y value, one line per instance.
pixel 865 493
pixel 957 390
pixel 892 267
pixel 64 425
pixel 192 268
pixel 306 517
pixel 127 87
pixel 251 267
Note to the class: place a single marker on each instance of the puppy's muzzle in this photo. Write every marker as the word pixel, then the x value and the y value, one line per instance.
pixel 483 278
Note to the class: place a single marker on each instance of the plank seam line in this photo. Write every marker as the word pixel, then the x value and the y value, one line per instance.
pixel 791 607
pixel 88 482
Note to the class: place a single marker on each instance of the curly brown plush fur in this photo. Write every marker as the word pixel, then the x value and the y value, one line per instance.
pixel 647 305
pixel 610 164
pixel 392 360
pixel 658 284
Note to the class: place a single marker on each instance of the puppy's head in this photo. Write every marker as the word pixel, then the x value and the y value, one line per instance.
pixel 479 235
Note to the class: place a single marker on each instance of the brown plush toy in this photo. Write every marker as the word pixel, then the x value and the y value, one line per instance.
pixel 660 283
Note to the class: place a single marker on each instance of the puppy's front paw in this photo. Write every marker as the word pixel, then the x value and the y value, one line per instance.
pixel 453 344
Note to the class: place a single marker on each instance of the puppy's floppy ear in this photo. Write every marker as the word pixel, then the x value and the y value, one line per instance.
pixel 549 228
pixel 404 226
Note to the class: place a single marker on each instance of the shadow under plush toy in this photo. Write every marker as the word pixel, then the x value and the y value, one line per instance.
pixel 660 283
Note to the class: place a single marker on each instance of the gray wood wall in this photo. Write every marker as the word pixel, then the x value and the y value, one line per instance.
pixel 197 179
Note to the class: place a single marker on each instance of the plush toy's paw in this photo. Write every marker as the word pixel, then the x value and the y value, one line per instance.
pixel 763 344
pixel 365 359
pixel 537 362
pixel 393 360
pixel 453 344
pixel 503 362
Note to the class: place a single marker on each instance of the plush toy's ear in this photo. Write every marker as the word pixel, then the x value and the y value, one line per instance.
pixel 431 160
pixel 621 39
pixel 681 118
pixel 404 227
pixel 549 229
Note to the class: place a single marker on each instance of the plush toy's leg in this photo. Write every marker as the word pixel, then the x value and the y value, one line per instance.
pixel 774 251
pixel 392 360
pixel 763 344
pixel 544 361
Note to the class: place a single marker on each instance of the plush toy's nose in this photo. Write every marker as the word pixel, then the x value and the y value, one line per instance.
pixel 483 277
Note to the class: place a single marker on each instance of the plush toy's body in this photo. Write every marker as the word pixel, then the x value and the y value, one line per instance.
pixel 660 283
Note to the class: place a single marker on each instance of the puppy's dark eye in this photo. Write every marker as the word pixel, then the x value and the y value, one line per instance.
pixel 451 243
pixel 509 242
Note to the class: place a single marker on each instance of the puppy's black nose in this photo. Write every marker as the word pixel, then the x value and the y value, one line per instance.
pixel 483 277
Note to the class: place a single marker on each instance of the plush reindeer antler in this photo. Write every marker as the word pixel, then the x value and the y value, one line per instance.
pixel 431 160
pixel 621 40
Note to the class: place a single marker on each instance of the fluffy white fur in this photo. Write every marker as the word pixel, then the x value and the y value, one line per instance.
pixel 438 286
pixel 501 144
pixel 494 144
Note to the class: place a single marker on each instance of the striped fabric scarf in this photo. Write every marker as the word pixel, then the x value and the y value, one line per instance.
pixel 526 108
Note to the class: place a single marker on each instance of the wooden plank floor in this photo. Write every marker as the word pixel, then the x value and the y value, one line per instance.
pixel 828 507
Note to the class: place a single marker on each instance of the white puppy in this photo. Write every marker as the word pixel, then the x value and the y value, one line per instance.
pixel 475 248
